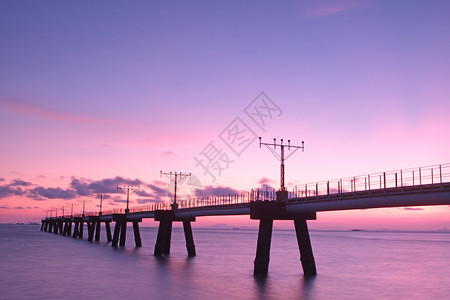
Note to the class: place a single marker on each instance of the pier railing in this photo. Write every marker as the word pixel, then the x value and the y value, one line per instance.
pixel 413 177
pixel 375 181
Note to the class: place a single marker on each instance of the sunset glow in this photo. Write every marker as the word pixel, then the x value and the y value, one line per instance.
pixel 96 95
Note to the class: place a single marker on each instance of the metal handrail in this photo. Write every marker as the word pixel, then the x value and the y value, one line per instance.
pixel 401 179
pixel 376 181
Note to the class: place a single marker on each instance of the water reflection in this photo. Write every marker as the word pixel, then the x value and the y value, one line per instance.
pixel 307 287
pixel 269 288
pixel 261 287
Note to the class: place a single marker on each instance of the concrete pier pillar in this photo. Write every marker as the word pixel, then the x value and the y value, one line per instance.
pixel 42 225
pixel 123 233
pixel 97 230
pixel 137 234
pixel 117 228
pixel 167 238
pixel 75 229
pixel 261 263
pixel 60 226
pixel 80 231
pixel 160 238
pixel 67 230
pixel 304 245
pixel 64 228
pixel 189 238
pixel 78 228
pixel 55 227
pixel 166 219
pixel 108 231
pixel 91 228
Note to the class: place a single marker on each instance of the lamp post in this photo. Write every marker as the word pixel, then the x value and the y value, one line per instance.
pixel 175 178
pixel 282 158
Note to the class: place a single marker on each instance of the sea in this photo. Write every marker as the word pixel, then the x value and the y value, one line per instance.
pixel 350 265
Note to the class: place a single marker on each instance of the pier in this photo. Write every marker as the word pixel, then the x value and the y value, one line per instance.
pixel 411 187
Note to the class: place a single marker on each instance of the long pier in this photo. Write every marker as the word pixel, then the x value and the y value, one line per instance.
pixel 412 187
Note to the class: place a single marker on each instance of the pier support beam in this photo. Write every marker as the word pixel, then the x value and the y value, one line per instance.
pixel 163 240
pixel 120 230
pixel 189 238
pixel 94 226
pixel 137 234
pixel 108 231
pixel 78 228
pixel 115 239
pixel 167 238
pixel 50 225
pixel 56 226
pixel 91 227
pixel 97 230
pixel 261 263
pixel 160 239
pixel 304 245
pixel 123 233
pixel 268 211
pixel 67 227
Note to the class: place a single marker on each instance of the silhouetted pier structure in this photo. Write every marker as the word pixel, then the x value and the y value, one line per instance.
pixel 412 187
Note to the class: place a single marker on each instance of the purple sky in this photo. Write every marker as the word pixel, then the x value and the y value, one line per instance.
pixel 95 91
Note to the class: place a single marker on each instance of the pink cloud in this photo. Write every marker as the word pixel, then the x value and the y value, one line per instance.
pixel 23 107
pixel 266 180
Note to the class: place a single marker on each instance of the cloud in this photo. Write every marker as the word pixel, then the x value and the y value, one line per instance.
pixel 18 207
pixel 51 193
pixel 86 187
pixel 412 208
pixel 143 193
pixel 9 190
pixel 27 108
pixel 148 200
pixel 209 191
pixel 151 192
pixel 266 183
pixel 158 191
pixel 266 180
pixel 168 154
pixel 14 188
pixel 19 182
pixel 115 200
pixel 325 8
pixel 4 207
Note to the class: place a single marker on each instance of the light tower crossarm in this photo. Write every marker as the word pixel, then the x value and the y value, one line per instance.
pixel 281 157
pixel 128 190
pixel 175 178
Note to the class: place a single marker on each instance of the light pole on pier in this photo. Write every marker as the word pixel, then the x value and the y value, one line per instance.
pixel 84 201
pixel 128 190
pixel 175 178
pixel 56 211
pixel 101 197
pixel 71 205
pixel 46 213
pixel 281 156
pixel 62 209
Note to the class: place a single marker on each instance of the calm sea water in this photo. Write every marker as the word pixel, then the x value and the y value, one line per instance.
pixel 350 265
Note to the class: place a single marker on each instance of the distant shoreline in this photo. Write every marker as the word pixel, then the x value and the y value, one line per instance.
pixel 237 229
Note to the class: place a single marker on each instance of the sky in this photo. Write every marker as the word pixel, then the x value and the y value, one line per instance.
pixel 95 94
